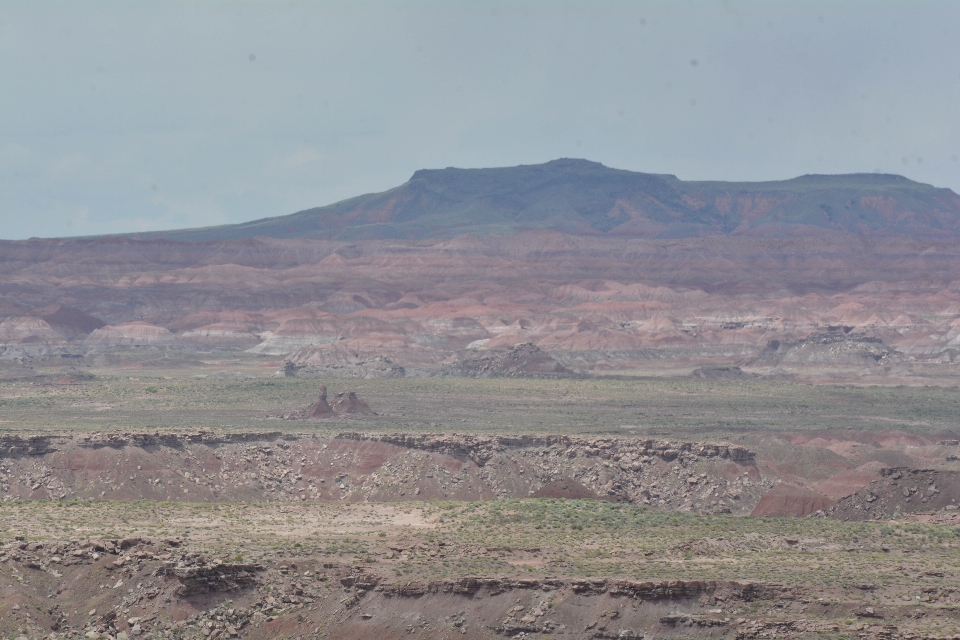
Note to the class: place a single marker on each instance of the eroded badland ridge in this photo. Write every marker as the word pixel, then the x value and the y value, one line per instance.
pixel 604 270
pixel 552 401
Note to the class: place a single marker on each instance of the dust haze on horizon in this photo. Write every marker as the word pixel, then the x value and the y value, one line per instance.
pixel 138 117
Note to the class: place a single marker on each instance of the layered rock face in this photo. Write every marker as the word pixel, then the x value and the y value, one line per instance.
pixel 132 334
pixel 29 332
pixel 591 305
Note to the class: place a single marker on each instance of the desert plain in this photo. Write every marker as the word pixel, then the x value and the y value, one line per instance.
pixel 159 503
pixel 557 401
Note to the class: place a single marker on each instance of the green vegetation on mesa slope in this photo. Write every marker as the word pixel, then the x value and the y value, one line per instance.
pixel 587 198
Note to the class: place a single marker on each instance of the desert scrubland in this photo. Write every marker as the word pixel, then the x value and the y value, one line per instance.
pixel 552 401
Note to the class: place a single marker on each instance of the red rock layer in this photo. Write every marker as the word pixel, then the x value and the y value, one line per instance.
pixel 347 403
pixel 803 305
pixel 792 502
pixel 321 408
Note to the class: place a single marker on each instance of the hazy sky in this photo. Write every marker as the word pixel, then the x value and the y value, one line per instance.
pixel 127 116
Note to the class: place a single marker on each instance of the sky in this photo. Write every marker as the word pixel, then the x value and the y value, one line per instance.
pixel 134 116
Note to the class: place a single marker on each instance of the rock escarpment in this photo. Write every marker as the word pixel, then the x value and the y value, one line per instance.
pixel 199 577
pixel 356 467
pixel 481 448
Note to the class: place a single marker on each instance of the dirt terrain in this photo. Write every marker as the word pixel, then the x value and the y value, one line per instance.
pixel 471 507
pixel 244 534
pixel 552 401
pixel 453 569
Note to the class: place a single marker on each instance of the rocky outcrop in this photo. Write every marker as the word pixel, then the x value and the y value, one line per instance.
pixel 721 373
pixel 347 403
pixel 643 590
pixel 174 439
pixel 481 448
pixel 206 466
pixel 309 363
pixel 197 577
pixel 901 491
pixel 321 408
pixel 128 551
pixel 15 446
pixel 834 348
pixel 707 477
pixel 565 488
pixel 152 587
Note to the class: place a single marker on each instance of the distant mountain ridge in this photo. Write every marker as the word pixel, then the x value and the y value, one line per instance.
pixel 586 198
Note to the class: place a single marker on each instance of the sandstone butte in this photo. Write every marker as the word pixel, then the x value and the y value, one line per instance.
pixel 345 403
pixel 321 408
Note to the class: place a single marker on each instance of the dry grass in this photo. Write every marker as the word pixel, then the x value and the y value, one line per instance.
pixel 175 399
pixel 537 537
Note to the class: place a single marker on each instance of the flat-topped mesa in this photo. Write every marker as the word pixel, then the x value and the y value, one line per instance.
pixel 588 199
pixel 347 403
pixel 321 408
